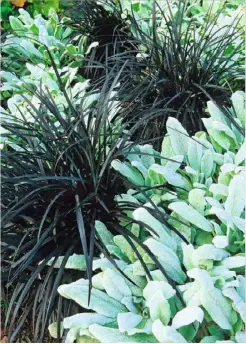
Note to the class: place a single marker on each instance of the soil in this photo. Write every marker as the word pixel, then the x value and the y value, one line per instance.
pixel 25 335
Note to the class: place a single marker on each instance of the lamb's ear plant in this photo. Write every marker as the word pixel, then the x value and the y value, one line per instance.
pixel 30 38
pixel 202 174
pixel 201 183
pixel 125 304
pixel 28 54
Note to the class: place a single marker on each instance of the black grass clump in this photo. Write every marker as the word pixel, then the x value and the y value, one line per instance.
pixel 182 71
pixel 178 70
pixel 56 181
pixel 111 33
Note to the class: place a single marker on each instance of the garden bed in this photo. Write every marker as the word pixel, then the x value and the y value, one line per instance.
pixel 123 171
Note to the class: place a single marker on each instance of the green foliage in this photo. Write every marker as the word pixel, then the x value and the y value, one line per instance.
pixel 33 37
pixel 29 57
pixel 43 6
pixel 33 7
pixel 6 11
pixel 207 204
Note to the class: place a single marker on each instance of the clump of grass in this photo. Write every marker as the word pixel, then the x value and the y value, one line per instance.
pixel 56 181
pixel 183 66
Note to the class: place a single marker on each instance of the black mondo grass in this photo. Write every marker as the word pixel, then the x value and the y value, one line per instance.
pixel 181 71
pixel 114 43
pixel 46 180
pixel 56 181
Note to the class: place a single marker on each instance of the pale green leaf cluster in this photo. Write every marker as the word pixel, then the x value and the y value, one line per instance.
pixel 28 49
pixel 33 39
pixel 33 47
pixel 206 173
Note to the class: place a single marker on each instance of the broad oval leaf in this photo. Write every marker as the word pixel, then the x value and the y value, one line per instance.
pixel 153 286
pixel 104 263
pixel 104 233
pixel 197 200
pixel 168 259
pixel 203 277
pixel 187 316
pixel 240 337
pixel 125 247
pixel 141 214
pixel 238 303
pixel 130 173
pixel 235 201
pixel 178 135
pixel 195 151
pixel 115 285
pixel 76 262
pixel 170 176
pixel 112 335
pixel 192 215
pixel 159 308
pixel 207 163
pixel 208 251
pixel 166 334
pixel 234 262
pixel 218 307
pixel 241 156
pixel 166 150
pixel 17 25
pixel 53 330
pixel 84 320
pixel 72 335
pixel 100 302
pixel 220 241
pixel 241 286
pixel 127 321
